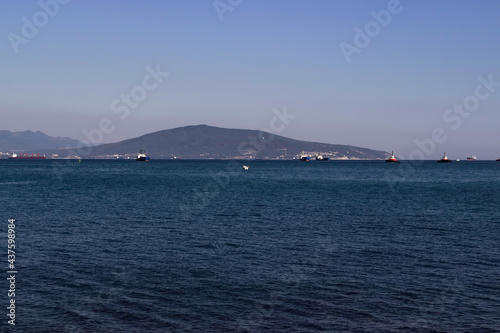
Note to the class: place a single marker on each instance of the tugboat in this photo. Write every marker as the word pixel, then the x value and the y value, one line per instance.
pixel 444 159
pixel 321 158
pixel 471 158
pixel 392 159
pixel 142 157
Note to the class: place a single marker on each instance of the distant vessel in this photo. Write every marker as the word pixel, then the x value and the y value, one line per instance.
pixel 392 158
pixel 321 158
pixel 498 160
pixel 142 157
pixel 14 156
pixel 304 158
pixel 444 159
pixel 471 158
pixel 246 167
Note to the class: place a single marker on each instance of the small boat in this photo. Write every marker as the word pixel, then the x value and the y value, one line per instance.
pixel 471 158
pixel 392 159
pixel 246 167
pixel 321 158
pixel 142 157
pixel 444 159
pixel 304 158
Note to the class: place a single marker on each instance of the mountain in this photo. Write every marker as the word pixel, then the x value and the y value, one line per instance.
pixel 202 142
pixel 30 141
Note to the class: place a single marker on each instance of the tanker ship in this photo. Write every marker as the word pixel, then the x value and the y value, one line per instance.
pixel 14 156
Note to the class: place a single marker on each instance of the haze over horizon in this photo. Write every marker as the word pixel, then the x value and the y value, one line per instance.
pixel 382 75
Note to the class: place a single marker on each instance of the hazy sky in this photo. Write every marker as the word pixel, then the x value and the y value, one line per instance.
pixel 377 74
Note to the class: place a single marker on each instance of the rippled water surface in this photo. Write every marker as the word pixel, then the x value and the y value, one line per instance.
pixel 202 246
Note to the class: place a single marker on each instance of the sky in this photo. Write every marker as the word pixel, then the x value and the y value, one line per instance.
pixel 419 77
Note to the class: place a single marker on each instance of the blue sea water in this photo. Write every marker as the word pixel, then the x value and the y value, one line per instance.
pixel 287 246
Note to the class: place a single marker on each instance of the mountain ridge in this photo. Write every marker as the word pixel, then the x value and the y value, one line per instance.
pixel 210 142
pixel 29 140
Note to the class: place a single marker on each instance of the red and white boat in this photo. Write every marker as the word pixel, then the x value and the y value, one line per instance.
pixel 444 159
pixel 392 159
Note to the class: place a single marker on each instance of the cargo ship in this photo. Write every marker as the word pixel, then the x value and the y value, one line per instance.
pixel 471 158
pixel 14 156
pixel 142 157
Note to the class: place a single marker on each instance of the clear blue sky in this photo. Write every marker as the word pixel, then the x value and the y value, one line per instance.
pixel 265 54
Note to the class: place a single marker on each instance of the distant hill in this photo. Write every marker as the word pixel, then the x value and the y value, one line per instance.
pixel 30 141
pixel 203 142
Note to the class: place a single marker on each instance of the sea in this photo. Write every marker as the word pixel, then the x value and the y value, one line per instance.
pixel 286 246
